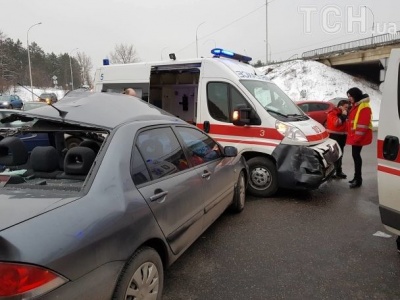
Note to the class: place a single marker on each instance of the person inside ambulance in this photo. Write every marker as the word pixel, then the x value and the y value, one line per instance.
pixel 359 130
pixel 336 125
pixel 130 92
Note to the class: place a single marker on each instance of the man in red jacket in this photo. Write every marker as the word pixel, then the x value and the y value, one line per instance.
pixel 336 126
pixel 359 130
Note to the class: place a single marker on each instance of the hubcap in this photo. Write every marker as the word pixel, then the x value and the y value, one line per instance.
pixel 260 178
pixel 144 283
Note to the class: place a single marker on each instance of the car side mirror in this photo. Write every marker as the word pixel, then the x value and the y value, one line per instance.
pixel 243 115
pixel 230 151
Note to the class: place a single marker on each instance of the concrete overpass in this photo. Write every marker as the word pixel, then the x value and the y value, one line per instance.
pixel 364 57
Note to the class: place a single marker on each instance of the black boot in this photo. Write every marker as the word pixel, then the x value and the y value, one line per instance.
pixel 356 183
pixel 341 175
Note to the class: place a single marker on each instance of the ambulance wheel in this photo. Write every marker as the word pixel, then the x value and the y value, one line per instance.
pixel 263 181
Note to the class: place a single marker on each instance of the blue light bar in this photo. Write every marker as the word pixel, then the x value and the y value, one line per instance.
pixel 106 62
pixel 229 54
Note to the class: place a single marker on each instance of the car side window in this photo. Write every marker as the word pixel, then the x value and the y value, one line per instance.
pixel 139 171
pixel 324 106
pixel 313 107
pixel 161 151
pixel 304 107
pixel 222 98
pixel 201 147
pixel 218 101
pixel 237 99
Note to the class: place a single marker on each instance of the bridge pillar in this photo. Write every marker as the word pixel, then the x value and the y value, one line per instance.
pixel 382 73
pixel 326 62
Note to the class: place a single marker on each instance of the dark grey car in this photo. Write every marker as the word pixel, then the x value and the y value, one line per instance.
pixel 102 220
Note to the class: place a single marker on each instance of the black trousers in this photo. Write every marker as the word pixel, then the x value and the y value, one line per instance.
pixel 341 140
pixel 356 153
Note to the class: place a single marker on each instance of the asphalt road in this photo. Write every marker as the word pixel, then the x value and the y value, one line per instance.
pixel 297 245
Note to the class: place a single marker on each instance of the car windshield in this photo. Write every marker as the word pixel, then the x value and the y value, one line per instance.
pixel 4 98
pixel 46 95
pixel 274 100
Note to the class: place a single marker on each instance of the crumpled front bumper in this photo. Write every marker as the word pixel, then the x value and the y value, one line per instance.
pixel 302 167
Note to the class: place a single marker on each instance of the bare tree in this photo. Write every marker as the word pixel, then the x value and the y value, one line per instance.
pixel 4 84
pixel 85 63
pixel 2 36
pixel 124 54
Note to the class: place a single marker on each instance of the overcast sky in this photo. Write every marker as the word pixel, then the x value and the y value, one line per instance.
pixel 159 27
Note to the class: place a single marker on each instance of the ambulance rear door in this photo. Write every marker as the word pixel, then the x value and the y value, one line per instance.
pixel 388 146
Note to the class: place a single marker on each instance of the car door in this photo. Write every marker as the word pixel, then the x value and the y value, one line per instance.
pixel 18 102
pixel 317 112
pixel 174 190
pixel 13 101
pixel 388 146
pixel 206 156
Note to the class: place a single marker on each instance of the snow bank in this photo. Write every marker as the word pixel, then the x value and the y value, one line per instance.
pixel 311 80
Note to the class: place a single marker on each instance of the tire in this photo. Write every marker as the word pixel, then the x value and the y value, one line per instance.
pixel 72 142
pixel 263 180
pixel 145 265
pixel 239 196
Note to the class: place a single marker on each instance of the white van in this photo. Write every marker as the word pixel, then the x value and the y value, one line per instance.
pixel 388 146
pixel 229 99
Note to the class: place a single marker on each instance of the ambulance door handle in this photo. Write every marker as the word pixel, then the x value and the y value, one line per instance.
pixel 390 147
pixel 206 126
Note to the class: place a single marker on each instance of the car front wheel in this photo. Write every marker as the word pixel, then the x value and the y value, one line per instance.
pixel 263 181
pixel 142 277
pixel 239 196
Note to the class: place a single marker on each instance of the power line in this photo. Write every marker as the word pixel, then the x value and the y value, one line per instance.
pixel 238 19
pixel 218 30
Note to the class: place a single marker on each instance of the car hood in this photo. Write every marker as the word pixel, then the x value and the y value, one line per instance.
pixel 17 206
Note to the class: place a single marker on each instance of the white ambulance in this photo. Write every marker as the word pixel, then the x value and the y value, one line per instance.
pixel 234 103
pixel 388 146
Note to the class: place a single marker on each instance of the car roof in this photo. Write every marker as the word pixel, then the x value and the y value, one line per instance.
pixel 103 110
pixel 313 101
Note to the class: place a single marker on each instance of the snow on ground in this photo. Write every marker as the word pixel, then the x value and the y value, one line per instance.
pixel 311 80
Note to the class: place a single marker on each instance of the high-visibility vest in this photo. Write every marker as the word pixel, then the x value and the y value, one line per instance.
pixel 360 107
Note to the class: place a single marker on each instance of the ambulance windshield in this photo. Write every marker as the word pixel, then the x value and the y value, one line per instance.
pixel 273 99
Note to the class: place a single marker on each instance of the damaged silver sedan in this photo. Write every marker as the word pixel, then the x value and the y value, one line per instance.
pixel 104 219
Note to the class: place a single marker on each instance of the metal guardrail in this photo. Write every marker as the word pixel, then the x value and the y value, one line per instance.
pixel 373 41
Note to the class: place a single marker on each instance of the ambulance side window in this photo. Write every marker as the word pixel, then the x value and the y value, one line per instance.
pixel 222 98
pixel 218 100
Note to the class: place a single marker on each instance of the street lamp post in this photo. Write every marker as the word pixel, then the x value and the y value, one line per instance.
pixel 373 21
pixel 29 57
pixel 197 46
pixel 70 64
pixel 162 52
pixel 266 31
